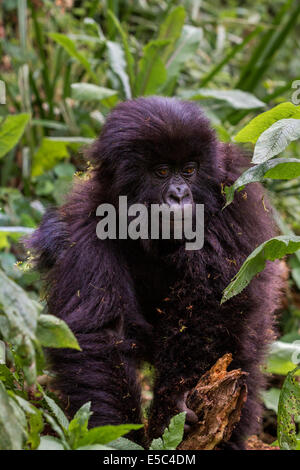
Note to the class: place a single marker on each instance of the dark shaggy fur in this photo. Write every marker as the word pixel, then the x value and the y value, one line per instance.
pixel 128 301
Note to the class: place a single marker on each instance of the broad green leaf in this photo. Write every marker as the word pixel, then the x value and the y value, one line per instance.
pixel 106 434
pixel 252 131
pixel 288 412
pixel 271 398
pixel 11 131
pixel 78 427
pixel 152 72
pixel 283 357
pixel 127 54
pixel 171 29
pixel 285 170
pixel 275 139
pixel 172 435
pixel 184 49
pixel 50 443
pixel 124 444
pixel 237 99
pixel 272 249
pixel 48 155
pixel 72 49
pixel 279 168
pixel 53 332
pixel 117 62
pixel 12 433
pixel 19 309
pixel 90 92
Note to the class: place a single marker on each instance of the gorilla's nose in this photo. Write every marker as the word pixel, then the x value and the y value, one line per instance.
pixel 178 195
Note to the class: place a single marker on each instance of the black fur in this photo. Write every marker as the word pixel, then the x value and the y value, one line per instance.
pixel 128 301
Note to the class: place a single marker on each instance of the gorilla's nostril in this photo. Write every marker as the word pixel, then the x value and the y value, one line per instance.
pixel 175 198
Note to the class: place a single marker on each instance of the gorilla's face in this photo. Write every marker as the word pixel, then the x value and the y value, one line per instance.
pixel 175 182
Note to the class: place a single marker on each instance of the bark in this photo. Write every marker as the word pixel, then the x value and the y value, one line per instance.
pixel 217 400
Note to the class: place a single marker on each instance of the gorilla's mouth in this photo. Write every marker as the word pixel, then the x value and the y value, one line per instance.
pixel 154 221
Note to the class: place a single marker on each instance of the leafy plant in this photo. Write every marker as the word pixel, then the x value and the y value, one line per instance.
pixel 289 413
pixel 64 69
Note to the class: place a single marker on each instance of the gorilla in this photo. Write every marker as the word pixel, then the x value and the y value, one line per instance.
pixel 134 300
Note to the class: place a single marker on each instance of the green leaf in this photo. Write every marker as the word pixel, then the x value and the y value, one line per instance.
pixel 279 168
pixel 275 139
pixel 65 171
pixel 128 56
pixel 117 62
pixel 11 131
pixel 171 29
pixel 124 444
pixel 237 99
pixel 57 411
pixel 78 427
pixel 288 412
pixel 35 421
pixel 49 153
pixel 272 249
pixel 72 49
pixel 53 332
pixel 172 435
pixel 284 170
pixel 184 50
pixel 61 432
pixel 12 433
pixel 90 92
pixel 6 376
pixel 50 443
pixel 283 357
pixel 152 72
pixel 106 434
pixel 20 311
pixel 271 398
pixel 252 131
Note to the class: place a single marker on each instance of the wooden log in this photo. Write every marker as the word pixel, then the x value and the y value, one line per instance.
pixel 217 400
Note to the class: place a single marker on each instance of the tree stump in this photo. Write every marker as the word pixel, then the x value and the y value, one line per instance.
pixel 217 400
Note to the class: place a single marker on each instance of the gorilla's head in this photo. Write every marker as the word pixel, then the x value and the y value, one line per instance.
pixel 157 150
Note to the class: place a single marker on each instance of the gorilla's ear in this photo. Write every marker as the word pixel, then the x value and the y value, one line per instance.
pixel 49 241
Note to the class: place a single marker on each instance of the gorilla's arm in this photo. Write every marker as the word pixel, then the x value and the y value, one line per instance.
pixel 90 288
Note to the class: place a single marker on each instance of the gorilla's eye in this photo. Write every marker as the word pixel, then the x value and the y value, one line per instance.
pixel 189 170
pixel 163 171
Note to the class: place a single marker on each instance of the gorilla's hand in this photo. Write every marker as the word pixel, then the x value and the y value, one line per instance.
pixel 191 417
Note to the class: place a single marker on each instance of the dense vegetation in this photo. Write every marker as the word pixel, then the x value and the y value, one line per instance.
pixel 65 64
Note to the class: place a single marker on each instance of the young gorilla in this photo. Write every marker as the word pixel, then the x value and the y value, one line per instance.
pixel 133 300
